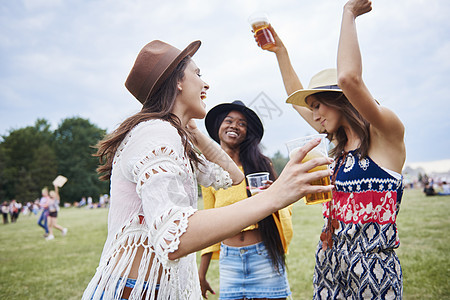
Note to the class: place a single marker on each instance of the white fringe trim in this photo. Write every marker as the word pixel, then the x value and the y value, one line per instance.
pixel 163 237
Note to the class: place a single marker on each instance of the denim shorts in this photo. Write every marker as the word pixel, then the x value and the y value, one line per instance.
pixel 129 283
pixel 247 272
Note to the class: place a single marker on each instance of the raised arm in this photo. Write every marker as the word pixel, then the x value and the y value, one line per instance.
pixel 212 151
pixel 56 192
pixel 349 65
pixel 290 79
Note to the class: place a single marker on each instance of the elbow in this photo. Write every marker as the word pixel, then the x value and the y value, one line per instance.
pixel 348 81
pixel 239 178
pixel 174 255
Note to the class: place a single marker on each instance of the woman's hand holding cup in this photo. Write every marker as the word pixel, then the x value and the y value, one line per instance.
pixel 295 180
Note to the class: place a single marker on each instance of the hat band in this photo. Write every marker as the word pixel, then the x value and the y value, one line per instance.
pixel 327 87
pixel 148 87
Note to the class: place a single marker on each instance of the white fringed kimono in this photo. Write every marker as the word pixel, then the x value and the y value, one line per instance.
pixel 153 193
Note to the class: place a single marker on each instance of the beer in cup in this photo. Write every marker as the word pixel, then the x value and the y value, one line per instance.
pixel 319 151
pixel 259 22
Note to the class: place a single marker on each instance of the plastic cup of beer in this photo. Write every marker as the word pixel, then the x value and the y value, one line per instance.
pixel 259 22
pixel 318 151
pixel 256 181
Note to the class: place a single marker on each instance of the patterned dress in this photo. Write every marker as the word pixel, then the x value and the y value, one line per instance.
pixel 362 263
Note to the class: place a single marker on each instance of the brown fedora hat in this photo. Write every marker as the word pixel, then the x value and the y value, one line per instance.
pixel 156 61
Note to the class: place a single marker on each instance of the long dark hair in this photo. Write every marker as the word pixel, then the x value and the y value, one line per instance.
pixel 158 106
pixel 254 161
pixel 356 121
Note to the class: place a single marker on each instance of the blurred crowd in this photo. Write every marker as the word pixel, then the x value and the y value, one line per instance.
pixel 46 210
pixel 434 187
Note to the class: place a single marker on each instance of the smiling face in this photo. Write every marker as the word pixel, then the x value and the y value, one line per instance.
pixel 328 117
pixel 192 92
pixel 233 130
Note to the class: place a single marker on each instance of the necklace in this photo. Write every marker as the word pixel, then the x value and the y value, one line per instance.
pixel 327 234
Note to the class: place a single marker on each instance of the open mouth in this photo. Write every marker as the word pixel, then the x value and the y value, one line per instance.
pixel 232 134
pixel 203 96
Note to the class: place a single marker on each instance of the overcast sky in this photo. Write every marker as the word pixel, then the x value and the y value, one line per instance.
pixel 66 58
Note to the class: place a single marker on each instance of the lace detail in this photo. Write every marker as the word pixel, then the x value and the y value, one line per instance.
pixel 223 178
pixel 166 231
pixel 162 159
pixel 211 174
pixel 121 147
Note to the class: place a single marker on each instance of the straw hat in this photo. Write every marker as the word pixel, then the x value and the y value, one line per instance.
pixel 154 64
pixel 324 81
pixel 253 120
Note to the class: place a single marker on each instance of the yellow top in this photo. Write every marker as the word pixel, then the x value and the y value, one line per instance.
pixel 236 193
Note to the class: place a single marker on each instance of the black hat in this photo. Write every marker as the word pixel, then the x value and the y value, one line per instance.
pixel 252 118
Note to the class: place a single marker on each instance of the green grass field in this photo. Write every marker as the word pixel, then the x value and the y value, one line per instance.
pixel 33 268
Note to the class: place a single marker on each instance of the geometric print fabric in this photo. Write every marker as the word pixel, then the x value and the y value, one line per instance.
pixel 362 263
pixel 344 275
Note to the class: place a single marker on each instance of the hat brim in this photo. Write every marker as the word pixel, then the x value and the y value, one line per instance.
pixel 190 50
pixel 251 116
pixel 298 97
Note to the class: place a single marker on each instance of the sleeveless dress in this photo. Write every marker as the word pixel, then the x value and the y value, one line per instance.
pixel 362 263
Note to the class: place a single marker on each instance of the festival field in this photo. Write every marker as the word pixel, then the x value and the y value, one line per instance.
pixel 33 268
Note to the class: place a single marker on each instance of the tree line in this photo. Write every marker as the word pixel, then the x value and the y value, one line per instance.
pixel 32 157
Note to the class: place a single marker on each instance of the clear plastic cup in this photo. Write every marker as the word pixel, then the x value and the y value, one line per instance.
pixel 256 181
pixel 318 151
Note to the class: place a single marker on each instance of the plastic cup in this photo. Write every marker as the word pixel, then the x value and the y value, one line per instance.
pixel 256 181
pixel 259 22
pixel 319 151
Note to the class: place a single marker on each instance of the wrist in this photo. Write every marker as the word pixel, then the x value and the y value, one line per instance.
pixel 348 10
pixel 193 131
pixel 269 200
pixel 281 50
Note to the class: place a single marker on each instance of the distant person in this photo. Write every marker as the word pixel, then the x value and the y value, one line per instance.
pixel 89 202
pixel 355 256
pixel 101 201
pixel 445 189
pixel 35 206
pixel 5 212
pixel 53 208
pixel 14 210
pixel 43 205
pixel 153 162
pixel 429 189
pixel 28 208
pixel 25 210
